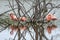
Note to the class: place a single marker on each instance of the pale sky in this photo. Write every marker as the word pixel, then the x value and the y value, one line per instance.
pixel 6 33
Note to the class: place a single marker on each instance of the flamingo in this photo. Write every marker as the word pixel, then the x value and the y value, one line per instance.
pixel 50 17
pixel 13 17
pixel 53 17
pixel 23 18
pixel 13 28
pixel 54 27
pixel 49 29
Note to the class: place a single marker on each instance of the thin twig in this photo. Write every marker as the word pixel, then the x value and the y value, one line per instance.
pixel 15 36
pixel 12 7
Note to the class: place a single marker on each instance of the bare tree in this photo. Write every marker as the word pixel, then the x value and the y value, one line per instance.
pixel 37 20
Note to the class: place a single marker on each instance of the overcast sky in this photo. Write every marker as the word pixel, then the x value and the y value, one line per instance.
pixel 6 34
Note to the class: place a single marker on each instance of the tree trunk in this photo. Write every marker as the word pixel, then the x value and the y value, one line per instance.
pixel 18 34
